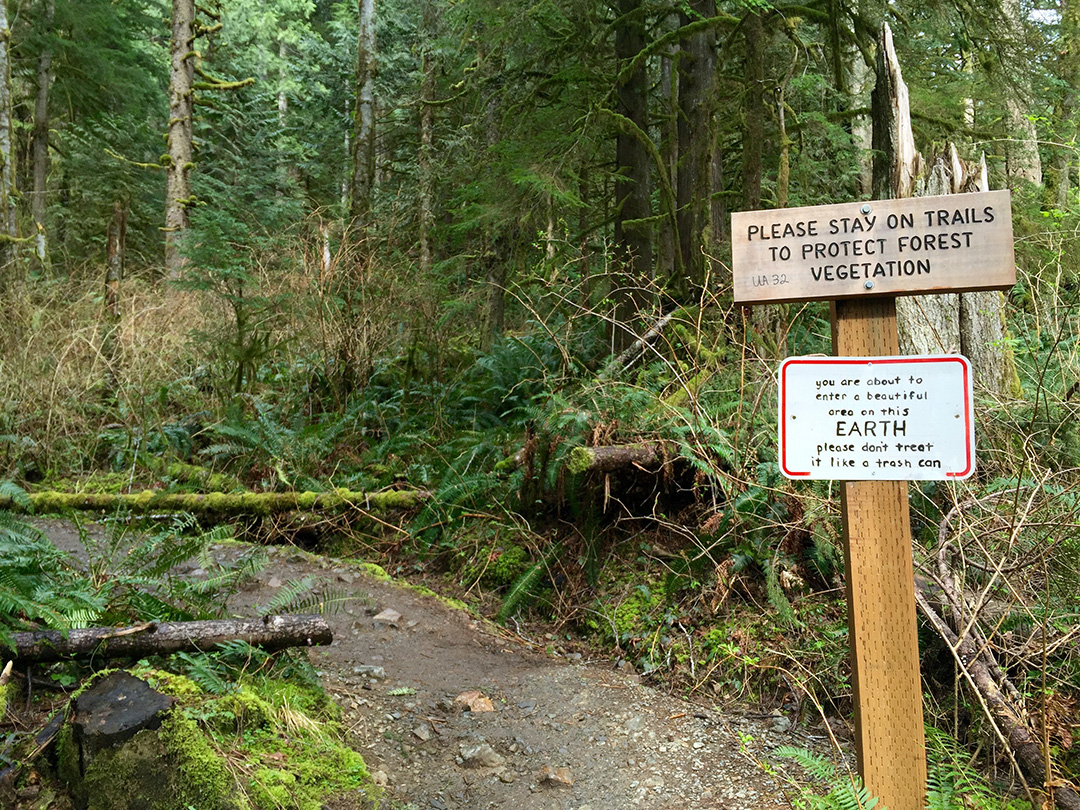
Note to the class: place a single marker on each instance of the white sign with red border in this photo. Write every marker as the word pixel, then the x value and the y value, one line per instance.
pixel 876 418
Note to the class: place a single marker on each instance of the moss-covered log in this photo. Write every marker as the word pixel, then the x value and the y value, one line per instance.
pixel 609 459
pixel 220 503
pixel 164 638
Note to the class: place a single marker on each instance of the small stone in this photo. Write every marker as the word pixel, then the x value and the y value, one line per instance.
pixel 506 777
pixel 422 733
pixel 388 617
pixel 633 724
pixel 480 755
pixel 274 582
pixel 653 782
pixel 780 724
pixel 371 671
pixel 556 777
pixel 380 778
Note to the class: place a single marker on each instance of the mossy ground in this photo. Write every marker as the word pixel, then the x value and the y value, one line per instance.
pixel 266 743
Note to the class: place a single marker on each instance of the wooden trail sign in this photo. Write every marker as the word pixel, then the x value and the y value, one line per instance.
pixel 956 243
pixel 860 256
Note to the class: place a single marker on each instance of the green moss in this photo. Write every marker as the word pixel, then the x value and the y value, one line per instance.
pixel 498 566
pixel 630 616
pixel 374 571
pixel 179 686
pixel 581 458
pixel 173 768
pixel 240 710
pixel 203 782
pixel 220 503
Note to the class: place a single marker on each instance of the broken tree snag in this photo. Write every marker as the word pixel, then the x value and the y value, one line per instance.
pixel 222 503
pixel 162 638
pixel 609 459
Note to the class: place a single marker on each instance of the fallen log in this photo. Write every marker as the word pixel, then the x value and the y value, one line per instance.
pixel 259 504
pixel 609 459
pixel 162 638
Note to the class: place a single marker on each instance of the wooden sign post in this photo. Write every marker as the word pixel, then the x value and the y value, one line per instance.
pixel 860 256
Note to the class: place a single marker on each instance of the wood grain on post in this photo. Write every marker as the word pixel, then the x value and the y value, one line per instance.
pixel 889 734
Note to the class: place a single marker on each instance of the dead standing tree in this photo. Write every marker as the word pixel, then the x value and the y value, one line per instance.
pixel 972 324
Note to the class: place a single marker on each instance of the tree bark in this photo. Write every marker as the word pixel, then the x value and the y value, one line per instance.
pixel 972 324
pixel 669 151
pixel 1022 160
pixel 38 200
pixel 180 135
pixel 754 129
pixel 221 503
pixel 8 232
pixel 633 250
pixel 697 70
pixel 163 638
pixel 1068 74
pixel 609 459
pixel 363 141
pixel 425 174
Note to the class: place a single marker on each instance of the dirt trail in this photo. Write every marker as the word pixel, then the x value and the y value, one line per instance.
pixel 560 734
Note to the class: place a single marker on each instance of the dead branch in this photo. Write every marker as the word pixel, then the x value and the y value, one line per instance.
pixel 162 638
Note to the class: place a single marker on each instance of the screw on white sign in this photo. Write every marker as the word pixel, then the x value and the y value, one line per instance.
pixel 876 418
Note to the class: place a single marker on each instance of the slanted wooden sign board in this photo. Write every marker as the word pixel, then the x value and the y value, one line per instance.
pixel 955 243
pixel 860 256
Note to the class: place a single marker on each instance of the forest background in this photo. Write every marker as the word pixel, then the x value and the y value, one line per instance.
pixel 300 245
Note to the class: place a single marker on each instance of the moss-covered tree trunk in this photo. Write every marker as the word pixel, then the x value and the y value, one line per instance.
pixel 697 69
pixel 363 141
pixel 425 175
pixel 8 233
pixel 633 247
pixel 38 202
pixel 180 136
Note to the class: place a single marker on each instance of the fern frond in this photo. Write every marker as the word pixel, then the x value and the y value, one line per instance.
pixel 522 589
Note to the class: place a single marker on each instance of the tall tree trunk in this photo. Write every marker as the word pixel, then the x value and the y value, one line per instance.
pixel 1022 161
pixel 1068 74
pixel 697 70
pixel 669 152
pixel 38 200
pixel 180 135
pixel 426 177
pixel 363 141
pixel 8 233
pixel 115 243
pixel 633 227
pixel 497 246
pixel 754 129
